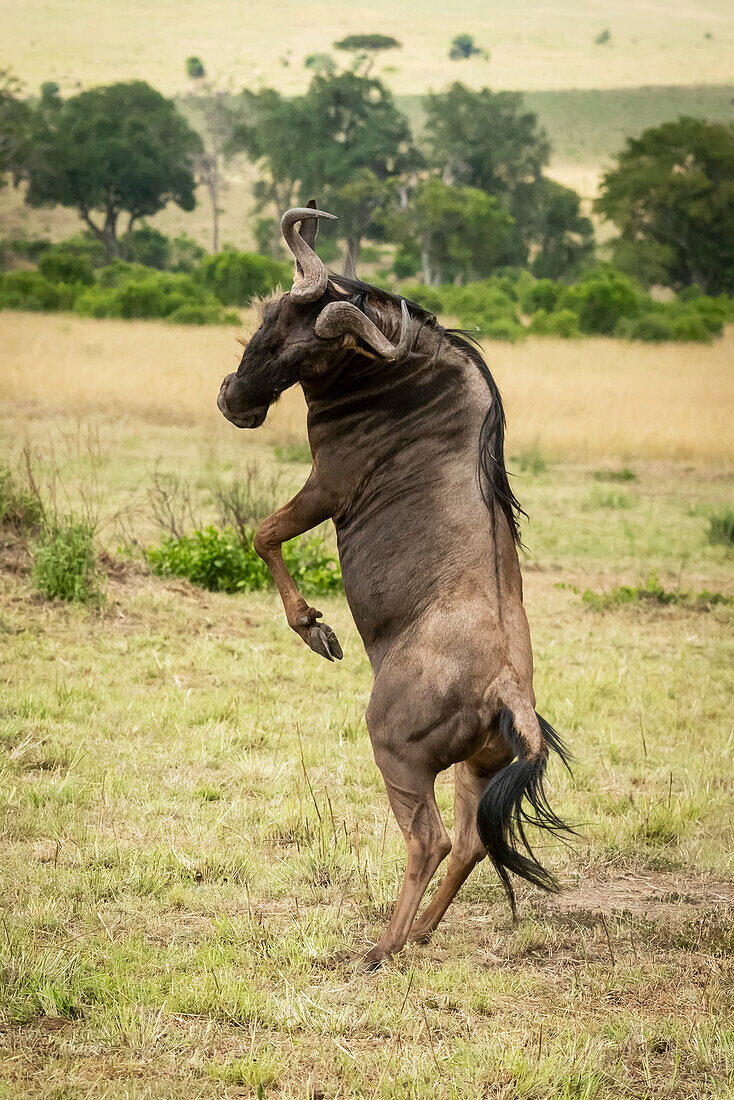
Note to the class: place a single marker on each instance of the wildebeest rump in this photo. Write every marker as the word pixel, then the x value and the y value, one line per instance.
pixel 406 429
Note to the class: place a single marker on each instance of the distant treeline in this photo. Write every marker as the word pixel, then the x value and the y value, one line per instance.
pixel 465 204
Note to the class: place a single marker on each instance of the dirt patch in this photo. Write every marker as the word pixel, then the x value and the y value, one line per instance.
pixel 652 894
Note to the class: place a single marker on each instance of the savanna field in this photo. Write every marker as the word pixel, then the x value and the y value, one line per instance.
pixel 193 827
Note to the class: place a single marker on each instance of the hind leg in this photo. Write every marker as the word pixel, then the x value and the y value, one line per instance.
pixel 470 783
pixel 413 801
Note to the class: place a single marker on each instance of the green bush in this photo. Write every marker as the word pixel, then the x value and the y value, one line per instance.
pixel 601 299
pixel 652 328
pixel 562 322
pixel 237 277
pixel 501 328
pixel 131 291
pixel 690 326
pixel 65 563
pixel 31 291
pixel 150 247
pixel 122 271
pixel 427 297
pixel 721 528
pixel 206 314
pixel 542 294
pixel 61 265
pixel 221 561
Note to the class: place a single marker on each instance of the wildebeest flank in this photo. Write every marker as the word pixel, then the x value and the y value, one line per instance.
pixel 406 430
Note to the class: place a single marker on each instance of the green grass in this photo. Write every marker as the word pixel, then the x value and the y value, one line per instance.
pixel 586 126
pixel 192 825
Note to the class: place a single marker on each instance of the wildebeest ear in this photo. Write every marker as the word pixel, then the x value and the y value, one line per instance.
pixel 310 226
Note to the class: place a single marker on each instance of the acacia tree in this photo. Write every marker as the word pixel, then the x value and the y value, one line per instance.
pixel 118 149
pixel 671 195
pixel 366 47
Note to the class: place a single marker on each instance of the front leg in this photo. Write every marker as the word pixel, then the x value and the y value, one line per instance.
pixel 308 509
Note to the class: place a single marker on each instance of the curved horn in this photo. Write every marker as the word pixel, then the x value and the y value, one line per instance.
pixel 342 318
pixel 311 274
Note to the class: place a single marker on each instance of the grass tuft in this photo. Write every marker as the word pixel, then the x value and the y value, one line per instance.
pixel 721 528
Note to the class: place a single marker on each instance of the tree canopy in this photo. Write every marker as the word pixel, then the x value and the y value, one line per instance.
pixel 346 129
pixel 485 139
pixel 120 148
pixel 673 187
pixel 459 232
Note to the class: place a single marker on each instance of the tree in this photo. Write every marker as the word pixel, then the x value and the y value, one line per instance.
pixel 215 116
pixel 366 47
pixel 15 118
pixel 674 186
pixel 485 139
pixel 463 47
pixel 562 239
pixel 344 131
pixel 120 148
pixel 195 69
pixel 462 233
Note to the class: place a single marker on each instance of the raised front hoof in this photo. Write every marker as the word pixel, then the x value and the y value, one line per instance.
pixel 322 640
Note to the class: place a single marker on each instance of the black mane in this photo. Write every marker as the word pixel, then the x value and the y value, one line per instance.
pixel 494 482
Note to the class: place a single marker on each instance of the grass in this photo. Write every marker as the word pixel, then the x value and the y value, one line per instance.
pixel 191 822
pixel 531 48
pixel 585 399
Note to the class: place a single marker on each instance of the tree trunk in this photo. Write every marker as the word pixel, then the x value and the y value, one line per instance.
pixel 107 234
pixel 354 246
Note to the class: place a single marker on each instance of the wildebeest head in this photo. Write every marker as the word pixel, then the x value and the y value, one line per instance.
pixel 302 333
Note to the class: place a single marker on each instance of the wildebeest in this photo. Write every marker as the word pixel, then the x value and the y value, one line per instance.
pixel 406 429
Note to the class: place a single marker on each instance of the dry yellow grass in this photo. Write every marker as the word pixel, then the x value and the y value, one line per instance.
pixel 591 398
pixel 532 45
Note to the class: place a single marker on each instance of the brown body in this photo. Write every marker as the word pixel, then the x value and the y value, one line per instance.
pixel 432 578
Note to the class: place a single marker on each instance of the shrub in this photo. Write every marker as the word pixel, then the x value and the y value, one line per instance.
pixel 721 528
pixel 653 328
pixel 562 322
pixel 406 264
pixel 65 563
pixel 98 301
pixel 121 271
pixel 194 68
pixel 192 314
pixel 149 247
pixel 30 290
pixel 427 297
pixel 220 561
pixel 502 328
pixel 542 294
pixel 186 255
pixel 132 291
pixel 601 300
pixel 59 264
pixel 652 592
pixel 236 277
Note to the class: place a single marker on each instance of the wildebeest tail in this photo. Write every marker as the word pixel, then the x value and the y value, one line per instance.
pixel 516 798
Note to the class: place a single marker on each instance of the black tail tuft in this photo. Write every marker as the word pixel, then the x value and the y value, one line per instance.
pixel 502 818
